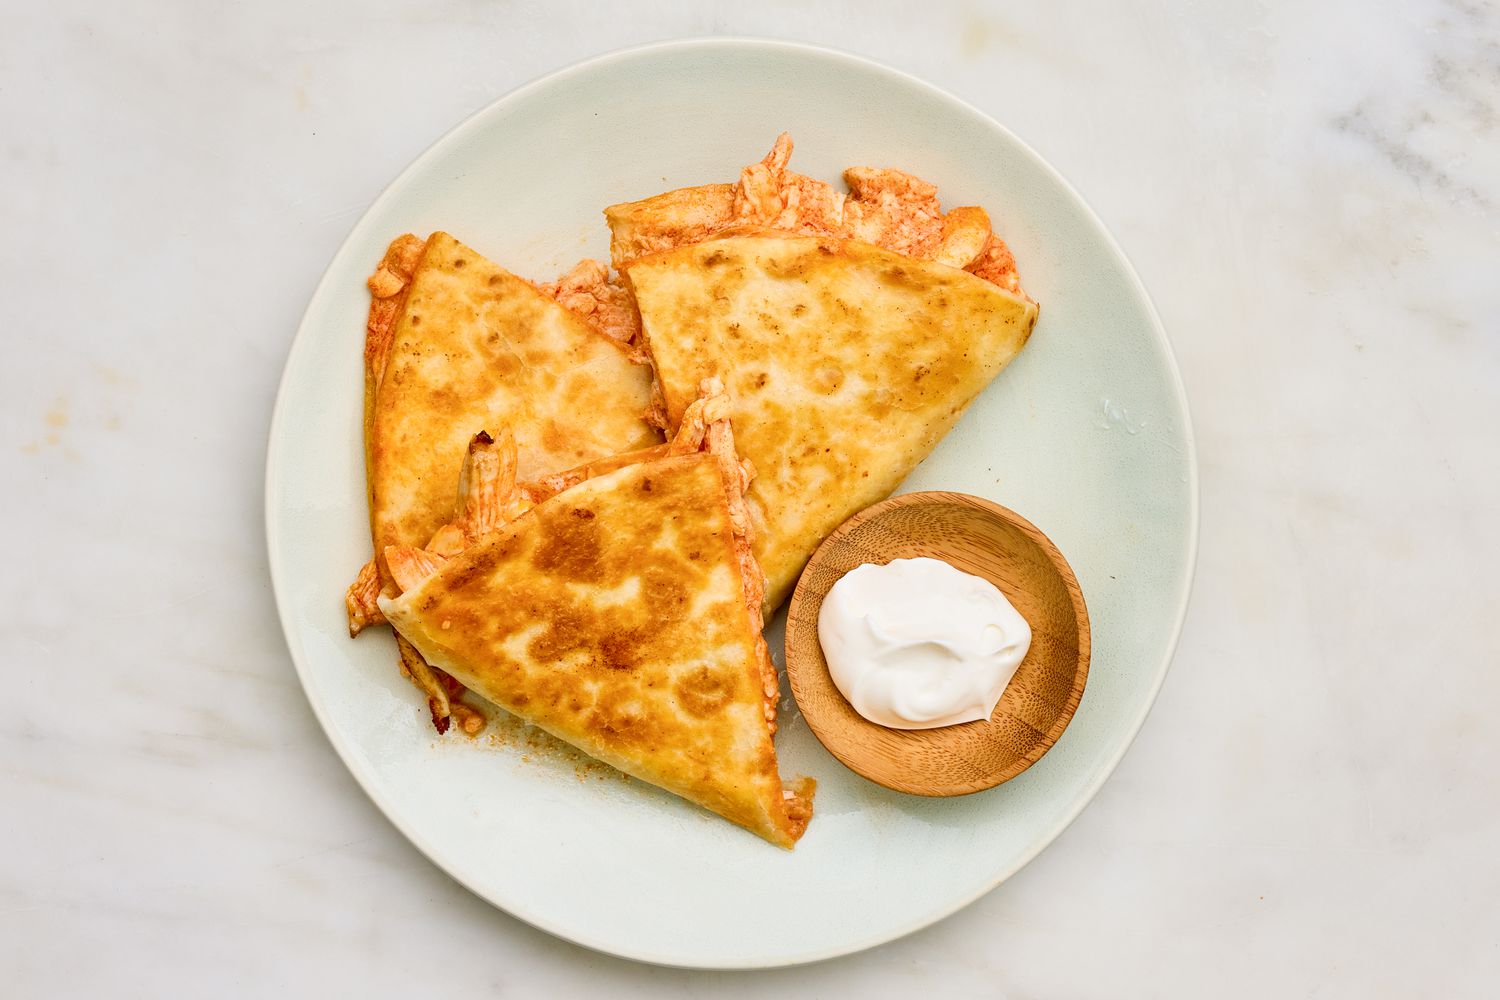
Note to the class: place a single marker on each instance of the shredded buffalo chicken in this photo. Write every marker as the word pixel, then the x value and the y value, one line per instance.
pixel 889 208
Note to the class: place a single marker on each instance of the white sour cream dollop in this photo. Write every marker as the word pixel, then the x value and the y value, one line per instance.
pixel 917 644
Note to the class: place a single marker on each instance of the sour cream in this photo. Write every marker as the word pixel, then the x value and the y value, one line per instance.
pixel 918 644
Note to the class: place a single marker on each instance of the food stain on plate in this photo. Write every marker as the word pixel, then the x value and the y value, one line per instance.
pixel 533 746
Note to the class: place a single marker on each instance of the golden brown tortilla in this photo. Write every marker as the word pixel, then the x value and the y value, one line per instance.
pixel 475 346
pixel 457 344
pixel 616 616
pixel 844 364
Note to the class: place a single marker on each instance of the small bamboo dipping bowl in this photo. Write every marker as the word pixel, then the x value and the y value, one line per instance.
pixel 979 537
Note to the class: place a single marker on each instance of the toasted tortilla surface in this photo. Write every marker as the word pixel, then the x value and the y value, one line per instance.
pixel 474 347
pixel 613 616
pixel 845 365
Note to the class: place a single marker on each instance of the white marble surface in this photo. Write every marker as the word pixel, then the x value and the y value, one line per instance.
pixel 1312 809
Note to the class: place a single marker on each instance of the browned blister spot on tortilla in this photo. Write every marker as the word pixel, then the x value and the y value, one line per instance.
pixel 702 691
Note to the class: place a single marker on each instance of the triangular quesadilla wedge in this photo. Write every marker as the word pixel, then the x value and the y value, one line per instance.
pixel 455 342
pixel 621 615
pixel 888 208
pixel 844 365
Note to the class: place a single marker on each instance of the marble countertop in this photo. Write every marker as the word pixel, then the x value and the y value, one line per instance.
pixel 1310 194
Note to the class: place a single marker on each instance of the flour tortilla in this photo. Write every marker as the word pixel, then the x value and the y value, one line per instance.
pixel 614 616
pixel 844 364
pixel 456 344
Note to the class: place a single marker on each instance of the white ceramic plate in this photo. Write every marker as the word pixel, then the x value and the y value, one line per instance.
pixel 1086 434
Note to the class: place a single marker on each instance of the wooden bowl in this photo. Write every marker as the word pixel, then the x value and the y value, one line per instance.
pixel 978 537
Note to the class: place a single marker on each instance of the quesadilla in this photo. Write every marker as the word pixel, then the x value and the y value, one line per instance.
pixel 844 364
pixel 455 343
pixel 621 614
pixel 888 208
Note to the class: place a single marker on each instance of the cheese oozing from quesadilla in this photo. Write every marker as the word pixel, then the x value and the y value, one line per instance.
pixel 844 365
pixel 621 614
pixel 455 342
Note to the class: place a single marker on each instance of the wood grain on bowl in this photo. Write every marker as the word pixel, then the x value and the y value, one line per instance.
pixel 978 537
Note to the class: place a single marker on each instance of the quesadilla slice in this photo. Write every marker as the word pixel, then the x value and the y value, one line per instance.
pixel 621 614
pixel 888 208
pixel 455 342
pixel 845 364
